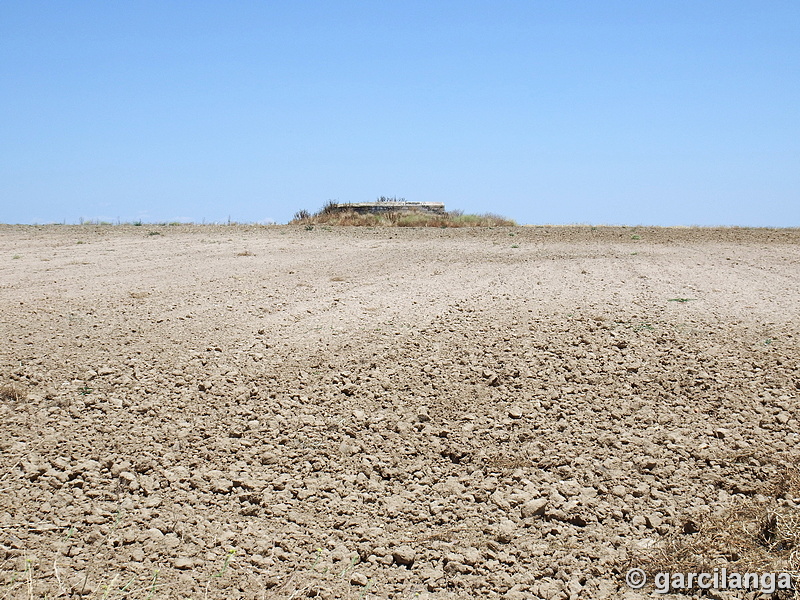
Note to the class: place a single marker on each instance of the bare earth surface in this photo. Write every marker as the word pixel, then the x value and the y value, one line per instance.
pixel 275 412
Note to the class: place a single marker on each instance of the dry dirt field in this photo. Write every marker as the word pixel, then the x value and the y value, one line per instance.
pixel 278 412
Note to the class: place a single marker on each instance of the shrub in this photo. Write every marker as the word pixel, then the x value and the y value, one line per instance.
pixel 330 214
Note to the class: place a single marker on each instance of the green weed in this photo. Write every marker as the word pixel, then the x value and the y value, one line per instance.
pixel 316 559
pixel 153 585
pixel 366 589
pixel 223 570
pixel 348 568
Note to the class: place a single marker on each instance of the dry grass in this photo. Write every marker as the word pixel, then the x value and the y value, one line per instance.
pixel 10 393
pixel 759 534
pixel 749 536
pixel 404 218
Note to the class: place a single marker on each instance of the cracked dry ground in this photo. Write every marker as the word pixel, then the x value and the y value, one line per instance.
pixel 275 412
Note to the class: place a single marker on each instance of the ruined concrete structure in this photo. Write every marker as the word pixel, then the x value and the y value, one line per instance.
pixel 378 207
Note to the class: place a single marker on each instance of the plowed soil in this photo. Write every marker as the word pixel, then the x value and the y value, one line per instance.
pixel 282 412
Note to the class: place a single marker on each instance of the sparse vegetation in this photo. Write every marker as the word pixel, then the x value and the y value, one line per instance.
pixel 329 215
pixel 9 393
pixel 93 222
pixel 754 534
pixel 144 587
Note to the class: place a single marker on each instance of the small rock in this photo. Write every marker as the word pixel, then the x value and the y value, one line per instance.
pixel 128 479
pixel 404 555
pixel 533 508
pixel 515 593
pixel 471 555
pixel 569 488
pixel 654 520
pixel 183 563
pixel 500 501
pixel 357 578
pixel 431 577
pixel 619 491
pixel 137 555
pixel 549 589
pixel 574 587
pixel 505 531
pixel 555 499
pixel 221 485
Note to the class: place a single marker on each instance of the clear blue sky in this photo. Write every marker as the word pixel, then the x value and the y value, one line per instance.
pixel 602 112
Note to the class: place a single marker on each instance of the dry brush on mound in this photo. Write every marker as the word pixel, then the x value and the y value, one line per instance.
pixel 329 215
